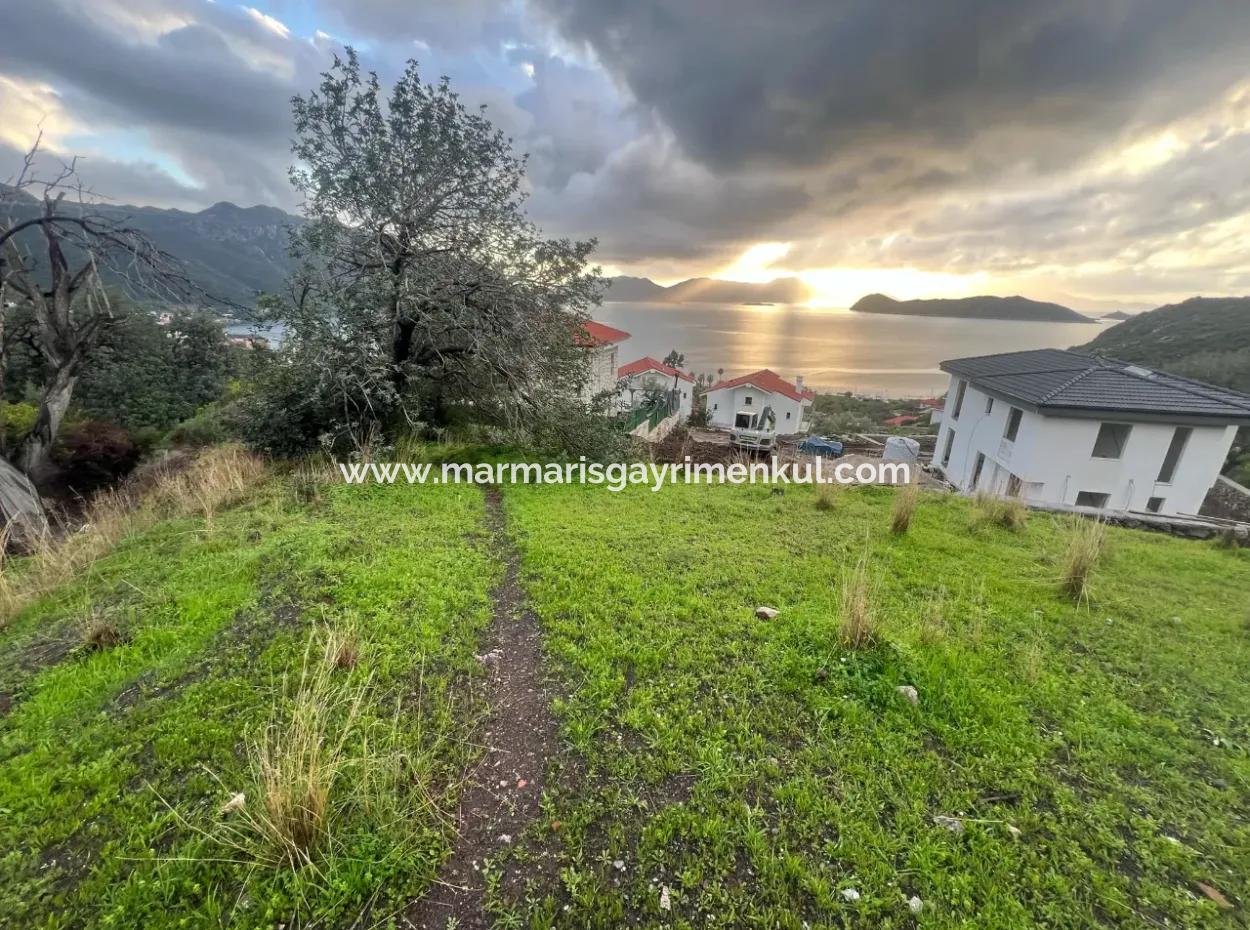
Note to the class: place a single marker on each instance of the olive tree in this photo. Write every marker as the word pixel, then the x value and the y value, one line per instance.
pixel 421 283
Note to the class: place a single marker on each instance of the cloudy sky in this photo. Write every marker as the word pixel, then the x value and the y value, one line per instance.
pixel 1095 152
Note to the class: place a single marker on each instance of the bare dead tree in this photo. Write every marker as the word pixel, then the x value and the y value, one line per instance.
pixel 57 246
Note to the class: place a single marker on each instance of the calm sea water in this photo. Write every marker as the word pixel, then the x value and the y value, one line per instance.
pixel 832 348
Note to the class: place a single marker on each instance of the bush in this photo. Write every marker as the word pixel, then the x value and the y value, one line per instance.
pixel 1007 512
pixel 94 454
pixel 18 421
pixel 207 428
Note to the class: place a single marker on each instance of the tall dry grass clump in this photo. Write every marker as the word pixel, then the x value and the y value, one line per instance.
pixel 217 477
pixel 827 495
pixel 1086 539
pixel 857 621
pixel 1008 512
pixel 906 499
pixel 299 762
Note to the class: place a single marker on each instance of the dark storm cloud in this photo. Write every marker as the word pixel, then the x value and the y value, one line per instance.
pixel 796 84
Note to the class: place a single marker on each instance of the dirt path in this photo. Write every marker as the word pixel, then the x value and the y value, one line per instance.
pixel 502 794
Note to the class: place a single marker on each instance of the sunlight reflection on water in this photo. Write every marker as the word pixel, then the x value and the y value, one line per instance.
pixel 832 348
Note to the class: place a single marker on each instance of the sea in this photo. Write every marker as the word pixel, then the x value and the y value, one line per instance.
pixel 834 349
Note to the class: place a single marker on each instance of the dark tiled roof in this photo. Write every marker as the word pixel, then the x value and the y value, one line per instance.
pixel 1052 379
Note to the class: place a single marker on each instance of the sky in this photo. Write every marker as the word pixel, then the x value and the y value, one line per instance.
pixel 1092 153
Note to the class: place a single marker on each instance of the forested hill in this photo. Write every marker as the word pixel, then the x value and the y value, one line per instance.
pixel 974 308
pixel 1207 338
pixel 232 252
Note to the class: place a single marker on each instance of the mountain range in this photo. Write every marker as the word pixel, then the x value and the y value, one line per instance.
pixel 708 290
pixel 232 253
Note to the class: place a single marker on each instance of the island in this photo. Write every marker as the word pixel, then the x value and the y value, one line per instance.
pixel 973 308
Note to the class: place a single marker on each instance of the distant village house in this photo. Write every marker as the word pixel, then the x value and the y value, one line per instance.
pixel 732 404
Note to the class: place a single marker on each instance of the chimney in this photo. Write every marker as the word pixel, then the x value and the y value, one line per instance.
pixel 798 382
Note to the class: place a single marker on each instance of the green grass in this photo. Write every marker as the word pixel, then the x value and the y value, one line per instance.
pixel 758 770
pixel 115 763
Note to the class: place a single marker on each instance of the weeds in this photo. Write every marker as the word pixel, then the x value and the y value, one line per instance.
pixel 906 499
pixel 99 633
pixel 218 477
pixel 1086 539
pixel 342 647
pixel 1008 512
pixel 826 495
pixel 857 627
pixel 933 627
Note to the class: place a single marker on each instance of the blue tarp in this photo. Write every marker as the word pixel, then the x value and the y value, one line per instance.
pixel 819 445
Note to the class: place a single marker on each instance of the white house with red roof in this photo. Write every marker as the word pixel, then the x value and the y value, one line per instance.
pixel 733 403
pixel 601 341
pixel 646 375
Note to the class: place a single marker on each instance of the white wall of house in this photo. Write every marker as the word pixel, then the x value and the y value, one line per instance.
pixel 602 370
pixel 722 405
pixel 636 386
pixel 1052 457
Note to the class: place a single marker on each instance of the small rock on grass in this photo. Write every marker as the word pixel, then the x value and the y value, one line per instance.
pixel 850 894
pixel 915 904
pixel 666 901
pixel 766 613
pixel 907 691
pixel 954 824
pixel 235 803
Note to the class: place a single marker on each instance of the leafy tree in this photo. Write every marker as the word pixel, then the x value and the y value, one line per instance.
pixel 422 287
pixel 148 375
pixel 675 360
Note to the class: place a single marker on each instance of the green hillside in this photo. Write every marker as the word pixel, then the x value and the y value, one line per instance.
pixel 1207 338
pixel 1075 765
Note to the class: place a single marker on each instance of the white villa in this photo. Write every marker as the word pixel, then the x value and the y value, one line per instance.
pixel 601 341
pixel 1057 427
pixel 647 375
pixel 731 404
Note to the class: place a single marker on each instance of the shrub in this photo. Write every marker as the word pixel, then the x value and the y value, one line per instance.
pixel 93 454
pixel 906 499
pixel 18 421
pixel 1086 539
pixel 207 428
pixel 857 627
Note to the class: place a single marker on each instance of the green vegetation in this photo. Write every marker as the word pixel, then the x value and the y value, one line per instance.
pixel 1205 338
pixel 259 714
pixel 840 414
pixel 761 771
pixel 330 641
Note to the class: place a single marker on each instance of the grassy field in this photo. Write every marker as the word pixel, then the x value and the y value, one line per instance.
pixel 1093 758
pixel 115 763
pixel 1065 764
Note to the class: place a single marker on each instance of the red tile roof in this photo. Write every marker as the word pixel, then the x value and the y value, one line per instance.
pixel 647 363
pixel 934 402
pixel 900 420
pixel 593 334
pixel 767 380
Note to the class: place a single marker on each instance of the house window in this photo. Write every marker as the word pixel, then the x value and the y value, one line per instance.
pixel 1013 424
pixel 989 405
pixel 1112 438
pixel 1155 504
pixel 1175 448
pixel 747 402
pixel 959 399
pixel 1092 499
pixel 715 407
pixel 976 469
pixel 946 449
pixel 787 414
